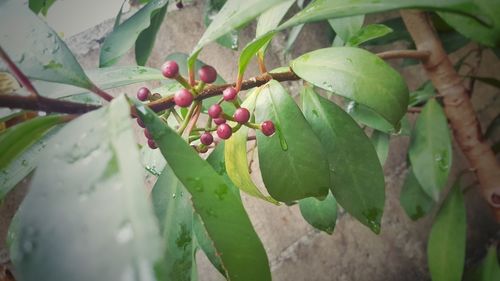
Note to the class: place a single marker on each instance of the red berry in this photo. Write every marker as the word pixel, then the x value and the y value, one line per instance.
pixel 229 94
pixel 140 123
pixel 267 128
pixel 179 5
pixel 152 144
pixel 207 74
pixel 206 138
pixel 214 111
pixel 241 115
pixel 170 69
pixel 147 134
pixel 219 121
pixel 224 131
pixel 143 94
pixel 183 98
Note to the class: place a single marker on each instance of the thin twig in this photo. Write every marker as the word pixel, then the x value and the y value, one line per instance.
pixel 409 54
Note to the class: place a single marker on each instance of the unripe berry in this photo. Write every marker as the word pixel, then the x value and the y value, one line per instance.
pixel 214 111
pixel 267 128
pixel 155 96
pixel 147 134
pixel 170 69
pixel 207 74
pixel 202 149
pixel 206 138
pixel 140 123
pixel 183 98
pixel 219 121
pixel 224 131
pixel 143 94
pixel 229 94
pixel 152 144
pixel 241 115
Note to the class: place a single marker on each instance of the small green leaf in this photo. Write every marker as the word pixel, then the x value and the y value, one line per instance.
pixel 368 33
pixel 211 9
pixel 269 20
pixel 321 214
pixel 358 75
pixel 422 94
pixel 430 149
pixel 487 270
pixel 292 161
pixel 251 49
pixel 40 6
pixel 172 206
pixel 37 49
pixel 125 35
pixel 413 198
pixel 118 18
pixel 221 211
pixel 355 171
pixel 364 115
pixel 236 156
pixel 146 39
pixel 292 37
pixel 380 141
pixel 446 245
pixel 347 26
pixel 92 162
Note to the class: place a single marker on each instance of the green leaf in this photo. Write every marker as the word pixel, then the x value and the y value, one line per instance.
pixel 292 37
pixel 399 33
pixel 233 15
pixel 422 94
pixel 321 214
pixel 380 141
pixel 355 171
pixel 37 49
pixel 172 206
pixel 126 34
pixel 221 211
pixel 368 33
pixel 347 26
pixel 118 18
pixel 236 156
pixel 211 9
pixel 328 9
pixel 446 245
pixel 23 164
pixel 269 20
pixel 430 149
pixel 413 198
pixel 146 39
pixel 92 162
pixel 105 78
pixel 251 49
pixel 358 75
pixel 364 115
pixel 487 270
pixel 40 6
pixel 292 161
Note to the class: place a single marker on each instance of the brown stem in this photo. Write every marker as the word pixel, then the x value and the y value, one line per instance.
pixel 101 93
pixel 45 104
pixel 414 110
pixel 457 106
pixel 23 80
pixel 262 64
pixel 409 54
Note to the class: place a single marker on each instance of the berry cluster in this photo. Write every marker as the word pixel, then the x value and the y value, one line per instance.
pixel 185 97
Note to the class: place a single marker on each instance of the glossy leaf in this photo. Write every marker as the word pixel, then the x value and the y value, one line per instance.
pixel 146 39
pixel 210 11
pixel 446 245
pixel 368 33
pixel 37 49
pixel 270 19
pixel 118 18
pixel 347 26
pixel 364 115
pixel 125 35
pixel 430 149
pixel 292 161
pixel 380 141
pixel 251 49
pixel 236 156
pixel 40 6
pixel 355 171
pixel 413 198
pixel 487 270
pixel 221 211
pixel 91 162
pixel 172 206
pixel 321 214
pixel 233 15
pixel 358 75
pixel 328 9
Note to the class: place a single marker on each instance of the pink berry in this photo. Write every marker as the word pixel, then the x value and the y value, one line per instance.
pixel 214 111
pixel 267 128
pixel 207 74
pixel 224 131
pixel 219 121
pixel 206 138
pixel 183 98
pixel 147 134
pixel 140 123
pixel 229 94
pixel 143 94
pixel 152 144
pixel 241 115
pixel 170 69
